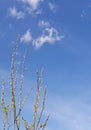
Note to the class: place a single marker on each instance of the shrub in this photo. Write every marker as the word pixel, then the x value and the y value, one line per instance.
pixel 16 119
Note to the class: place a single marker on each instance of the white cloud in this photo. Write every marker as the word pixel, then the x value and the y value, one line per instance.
pixel 32 6
pixel 43 23
pixel 16 14
pixel 49 35
pixel 26 37
pixel 52 7
pixel 32 3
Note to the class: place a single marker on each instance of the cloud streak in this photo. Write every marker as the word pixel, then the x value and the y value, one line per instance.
pixel 73 114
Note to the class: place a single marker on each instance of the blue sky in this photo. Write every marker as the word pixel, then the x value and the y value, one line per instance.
pixel 57 34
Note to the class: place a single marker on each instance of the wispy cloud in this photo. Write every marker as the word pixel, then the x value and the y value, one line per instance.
pixel 83 14
pixel 49 35
pixel 27 37
pixel 13 12
pixel 32 5
pixel 52 7
pixel 73 114
pixel 43 23
pixel 10 26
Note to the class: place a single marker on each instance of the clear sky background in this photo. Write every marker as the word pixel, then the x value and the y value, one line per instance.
pixel 58 36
